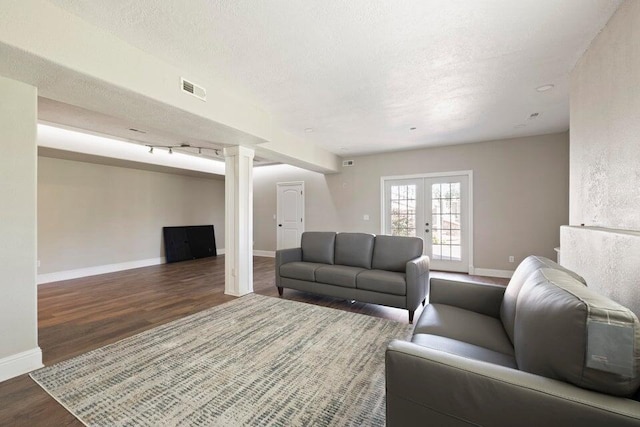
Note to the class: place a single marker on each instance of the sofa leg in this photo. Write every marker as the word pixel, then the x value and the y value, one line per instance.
pixel 423 301
pixel 411 317
pixel 280 290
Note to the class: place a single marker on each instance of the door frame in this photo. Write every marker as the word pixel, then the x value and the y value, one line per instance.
pixel 304 216
pixel 467 173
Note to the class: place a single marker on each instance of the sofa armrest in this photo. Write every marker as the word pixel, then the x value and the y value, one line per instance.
pixel 431 387
pixel 482 298
pixel 284 256
pixel 417 281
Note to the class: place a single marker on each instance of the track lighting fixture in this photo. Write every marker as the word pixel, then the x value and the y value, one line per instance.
pixel 184 146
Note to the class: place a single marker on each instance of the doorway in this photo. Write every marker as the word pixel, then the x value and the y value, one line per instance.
pixel 437 208
pixel 289 214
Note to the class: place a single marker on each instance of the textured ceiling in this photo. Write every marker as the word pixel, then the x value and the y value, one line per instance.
pixel 361 73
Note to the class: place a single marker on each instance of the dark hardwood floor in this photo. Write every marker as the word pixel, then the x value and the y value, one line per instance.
pixel 76 316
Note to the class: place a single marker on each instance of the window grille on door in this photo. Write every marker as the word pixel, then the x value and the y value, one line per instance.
pixel 446 229
pixel 403 210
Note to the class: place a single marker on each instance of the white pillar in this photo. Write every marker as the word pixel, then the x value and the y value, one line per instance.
pixel 19 351
pixel 238 240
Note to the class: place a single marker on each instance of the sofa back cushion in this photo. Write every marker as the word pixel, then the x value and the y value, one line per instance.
pixel 393 252
pixel 354 249
pixel 529 265
pixel 318 246
pixel 568 332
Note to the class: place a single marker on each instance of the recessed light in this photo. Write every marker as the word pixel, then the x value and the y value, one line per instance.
pixel 521 125
pixel 544 88
pixel 343 149
pixel 412 128
pixel 308 130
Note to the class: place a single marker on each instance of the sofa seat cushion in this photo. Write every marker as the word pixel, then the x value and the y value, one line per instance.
pixel 386 282
pixel 300 270
pixel 568 332
pixel 464 325
pixel 339 275
pixel 464 349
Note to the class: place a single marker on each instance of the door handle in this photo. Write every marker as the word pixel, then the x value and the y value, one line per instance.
pixel 279 225
pixel 426 231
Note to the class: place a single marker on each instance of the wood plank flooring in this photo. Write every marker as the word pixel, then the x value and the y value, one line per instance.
pixel 76 316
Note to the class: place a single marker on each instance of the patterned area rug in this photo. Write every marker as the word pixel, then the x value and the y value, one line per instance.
pixel 253 361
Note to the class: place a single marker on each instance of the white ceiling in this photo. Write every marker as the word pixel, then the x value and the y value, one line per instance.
pixel 54 112
pixel 362 72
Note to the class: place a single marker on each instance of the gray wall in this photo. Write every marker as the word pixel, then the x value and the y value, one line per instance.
pixel 92 215
pixel 605 126
pixel 521 194
pixel 321 211
pixel 605 161
pixel 18 313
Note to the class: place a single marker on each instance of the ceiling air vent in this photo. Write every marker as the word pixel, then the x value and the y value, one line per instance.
pixel 193 89
pixel 346 163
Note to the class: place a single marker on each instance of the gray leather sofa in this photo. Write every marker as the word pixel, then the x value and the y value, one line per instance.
pixel 386 270
pixel 545 351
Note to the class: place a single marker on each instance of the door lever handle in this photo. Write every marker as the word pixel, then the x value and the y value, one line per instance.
pixel 279 225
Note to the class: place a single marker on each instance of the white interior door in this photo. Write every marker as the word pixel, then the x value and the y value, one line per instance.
pixel 290 214
pixel 435 208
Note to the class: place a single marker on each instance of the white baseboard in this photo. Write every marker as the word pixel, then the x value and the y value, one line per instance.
pixel 268 254
pixel 111 268
pixel 489 272
pixel 98 269
pixel 256 252
pixel 21 363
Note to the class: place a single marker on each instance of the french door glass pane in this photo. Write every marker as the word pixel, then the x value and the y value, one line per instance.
pixel 445 213
pixel 456 253
pixel 403 210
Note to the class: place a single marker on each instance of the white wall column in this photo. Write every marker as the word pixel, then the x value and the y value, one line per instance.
pixel 238 246
pixel 19 351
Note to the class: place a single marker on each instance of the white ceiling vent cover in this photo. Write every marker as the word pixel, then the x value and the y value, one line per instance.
pixel 346 163
pixel 193 89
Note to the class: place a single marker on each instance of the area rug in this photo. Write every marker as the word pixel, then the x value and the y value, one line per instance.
pixel 254 361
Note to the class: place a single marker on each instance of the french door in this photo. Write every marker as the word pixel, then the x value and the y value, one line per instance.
pixel 435 208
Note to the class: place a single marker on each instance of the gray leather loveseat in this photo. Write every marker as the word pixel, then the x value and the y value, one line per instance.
pixel 547 351
pixel 386 270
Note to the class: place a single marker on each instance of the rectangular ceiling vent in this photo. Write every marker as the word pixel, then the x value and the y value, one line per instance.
pixel 193 89
pixel 346 163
